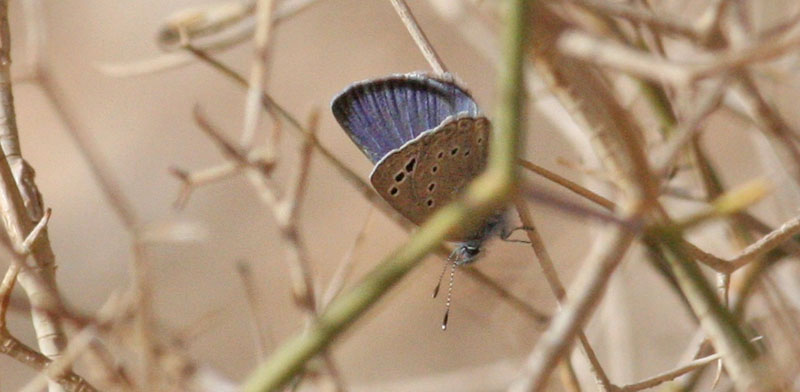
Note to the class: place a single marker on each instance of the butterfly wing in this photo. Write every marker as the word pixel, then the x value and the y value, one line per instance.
pixel 381 115
pixel 432 169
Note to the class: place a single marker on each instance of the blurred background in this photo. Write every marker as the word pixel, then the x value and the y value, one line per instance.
pixel 141 126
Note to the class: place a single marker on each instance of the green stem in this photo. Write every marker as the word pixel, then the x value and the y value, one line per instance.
pixel 489 191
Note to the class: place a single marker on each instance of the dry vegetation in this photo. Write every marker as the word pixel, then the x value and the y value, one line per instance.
pixel 639 89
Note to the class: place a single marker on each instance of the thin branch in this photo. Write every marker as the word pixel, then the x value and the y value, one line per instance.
pixel 670 375
pixel 741 359
pixel 550 273
pixel 35 233
pixel 258 75
pixel 12 347
pixel 663 23
pixel 286 215
pixel 783 314
pixel 349 175
pixel 345 265
pixel 226 37
pixel 514 301
pixel 145 312
pixel 99 170
pixel 21 205
pixel 285 210
pixel 708 101
pixel 296 193
pixel 772 123
pixel 261 330
pixel 217 20
pixel 419 37
pixel 696 253
pixel 199 178
pixel 70 381
pixel 767 243
pixel 609 53
pixel 714 262
pixel 584 295
pixel 7 285
pixel 532 192
pixel 79 343
pixel 570 185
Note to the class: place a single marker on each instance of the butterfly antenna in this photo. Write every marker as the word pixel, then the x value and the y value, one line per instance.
pixel 439 283
pixel 449 296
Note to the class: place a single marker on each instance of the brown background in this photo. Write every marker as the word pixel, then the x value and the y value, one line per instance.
pixel 143 125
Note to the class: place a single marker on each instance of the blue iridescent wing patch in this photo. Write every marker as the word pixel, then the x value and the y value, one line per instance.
pixel 381 115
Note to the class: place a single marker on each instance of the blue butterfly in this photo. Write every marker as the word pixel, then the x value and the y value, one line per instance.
pixel 428 140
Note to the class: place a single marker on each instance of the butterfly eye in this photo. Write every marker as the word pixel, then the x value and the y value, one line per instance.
pixel 394 191
pixel 399 177
pixel 454 151
pixel 429 203
pixel 480 140
pixel 431 187
pixel 466 153
pixel 440 155
pixel 434 169
pixel 471 251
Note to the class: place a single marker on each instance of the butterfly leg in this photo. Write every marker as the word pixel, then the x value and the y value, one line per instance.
pixel 505 234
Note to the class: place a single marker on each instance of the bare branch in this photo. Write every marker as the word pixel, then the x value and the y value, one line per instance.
pixel 550 273
pixel 419 37
pixel 767 243
pixel 261 329
pixel 258 75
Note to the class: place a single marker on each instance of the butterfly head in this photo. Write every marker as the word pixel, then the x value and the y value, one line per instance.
pixel 468 252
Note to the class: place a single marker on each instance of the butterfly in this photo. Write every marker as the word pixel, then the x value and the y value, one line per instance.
pixel 428 140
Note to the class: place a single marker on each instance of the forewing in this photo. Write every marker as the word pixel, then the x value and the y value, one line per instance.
pixel 381 115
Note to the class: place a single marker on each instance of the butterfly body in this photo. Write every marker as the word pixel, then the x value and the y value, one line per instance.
pixel 427 140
